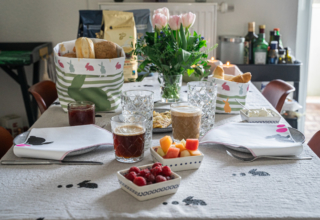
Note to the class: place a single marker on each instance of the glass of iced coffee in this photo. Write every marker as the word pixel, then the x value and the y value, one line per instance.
pixel 128 137
pixel 186 121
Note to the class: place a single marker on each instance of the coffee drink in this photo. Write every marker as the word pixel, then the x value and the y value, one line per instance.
pixel 128 141
pixel 186 120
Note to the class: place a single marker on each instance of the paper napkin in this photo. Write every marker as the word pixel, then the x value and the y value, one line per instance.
pixel 57 143
pixel 260 139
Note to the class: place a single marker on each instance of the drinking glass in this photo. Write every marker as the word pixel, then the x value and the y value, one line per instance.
pixel 186 120
pixel 128 137
pixel 81 113
pixel 139 102
pixel 203 94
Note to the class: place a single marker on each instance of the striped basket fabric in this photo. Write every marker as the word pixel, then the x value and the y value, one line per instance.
pixel 96 80
pixel 227 94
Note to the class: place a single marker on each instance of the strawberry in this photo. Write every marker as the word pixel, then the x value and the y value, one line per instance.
pixel 156 170
pixel 134 169
pixel 156 164
pixel 131 176
pixel 160 178
pixel 144 172
pixel 140 181
pixel 166 171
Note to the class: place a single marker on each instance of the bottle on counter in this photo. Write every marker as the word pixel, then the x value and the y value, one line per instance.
pixel 277 30
pixel 271 37
pixel 248 44
pixel 282 57
pixel 260 47
pixel 288 56
pixel 273 53
pixel 278 39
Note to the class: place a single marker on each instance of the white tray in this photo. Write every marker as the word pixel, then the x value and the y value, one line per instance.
pixel 178 164
pixel 152 191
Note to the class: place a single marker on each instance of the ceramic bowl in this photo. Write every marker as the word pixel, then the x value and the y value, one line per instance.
pixel 152 191
pixel 178 164
pixel 274 119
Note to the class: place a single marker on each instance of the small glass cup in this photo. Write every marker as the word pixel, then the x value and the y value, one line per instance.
pixel 128 137
pixel 81 113
pixel 139 102
pixel 203 94
pixel 186 121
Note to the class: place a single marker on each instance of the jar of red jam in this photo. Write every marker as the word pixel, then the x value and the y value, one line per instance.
pixel 81 113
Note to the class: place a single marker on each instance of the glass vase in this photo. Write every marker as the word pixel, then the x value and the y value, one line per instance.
pixel 170 87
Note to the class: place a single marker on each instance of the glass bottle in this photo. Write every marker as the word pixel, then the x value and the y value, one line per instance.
pixel 282 57
pixel 248 44
pixel 278 39
pixel 271 38
pixel 273 53
pixel 260 47
pixel 288 57
pixel 277 30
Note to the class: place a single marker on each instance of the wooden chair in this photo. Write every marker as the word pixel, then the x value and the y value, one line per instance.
pixel 314 143
pixel 276 93
pixel 45 93
pixel 6 141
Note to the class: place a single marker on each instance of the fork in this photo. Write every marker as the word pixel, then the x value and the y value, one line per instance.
pixel 253 158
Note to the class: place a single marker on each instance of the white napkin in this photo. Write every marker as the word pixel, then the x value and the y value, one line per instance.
pixel 260 139
pixel 57 143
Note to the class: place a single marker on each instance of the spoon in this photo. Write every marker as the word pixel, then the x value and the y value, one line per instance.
pixel 253 158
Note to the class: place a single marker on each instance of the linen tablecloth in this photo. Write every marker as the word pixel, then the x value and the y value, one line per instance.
pixel 226 188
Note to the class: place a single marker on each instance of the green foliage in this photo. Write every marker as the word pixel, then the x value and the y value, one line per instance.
pixel 173 53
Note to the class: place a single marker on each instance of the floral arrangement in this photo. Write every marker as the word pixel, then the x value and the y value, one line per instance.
pixel 171 50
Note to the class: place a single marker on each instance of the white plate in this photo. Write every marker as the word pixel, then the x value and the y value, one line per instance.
pixel 152 191
pixel 297 136
pixel 22 138
pixel 179 163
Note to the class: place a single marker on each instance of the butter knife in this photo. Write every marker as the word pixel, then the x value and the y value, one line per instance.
pixel 48 162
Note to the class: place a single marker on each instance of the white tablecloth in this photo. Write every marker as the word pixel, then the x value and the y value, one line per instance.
pixel 290 191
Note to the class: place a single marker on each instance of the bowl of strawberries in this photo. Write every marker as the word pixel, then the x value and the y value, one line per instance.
pixel 149 181
pixel 183 155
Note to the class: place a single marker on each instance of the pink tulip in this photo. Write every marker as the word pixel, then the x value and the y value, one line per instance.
pixel 174 22
pixel 188 19
pixel 159 21
pixel 164 11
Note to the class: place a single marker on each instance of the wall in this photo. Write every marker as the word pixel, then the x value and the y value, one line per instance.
pixel 56 21
pixel 314 54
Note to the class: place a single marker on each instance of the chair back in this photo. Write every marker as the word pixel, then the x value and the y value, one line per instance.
pixel 6 141
pixel 314 143
pixel 45 93
pixel 276 93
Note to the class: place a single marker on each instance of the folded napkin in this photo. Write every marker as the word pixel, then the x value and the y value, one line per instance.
pixel 260 139
pixel 57 143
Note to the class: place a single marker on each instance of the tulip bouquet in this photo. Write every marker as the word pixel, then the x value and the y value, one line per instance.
pixel 172 51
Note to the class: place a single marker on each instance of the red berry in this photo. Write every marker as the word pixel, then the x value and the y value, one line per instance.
pixel 166 171
pixel 140 181
pixel 151 178
pixel 156 170
pixel 168 177
pixel 144 172
pixel 134 169
pixel 130 176
pixel 159 179
pixel 156 164
pixel 149 183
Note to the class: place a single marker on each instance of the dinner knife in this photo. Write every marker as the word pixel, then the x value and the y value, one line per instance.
pixel 48 162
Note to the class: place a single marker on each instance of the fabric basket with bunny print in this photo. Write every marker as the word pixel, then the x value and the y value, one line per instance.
pixel 227 95
pixel 96 80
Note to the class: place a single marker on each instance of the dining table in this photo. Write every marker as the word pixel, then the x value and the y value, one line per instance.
pixel 222 188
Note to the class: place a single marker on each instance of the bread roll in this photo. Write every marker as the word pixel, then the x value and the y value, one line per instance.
pixel 105 50
pixel 71 55
pixel 84 48
pixel 218 72
pixel 242 78
pixel 228 77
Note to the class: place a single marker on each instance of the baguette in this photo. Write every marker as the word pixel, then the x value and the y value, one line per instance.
pixel 242 78
pixel 218 72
